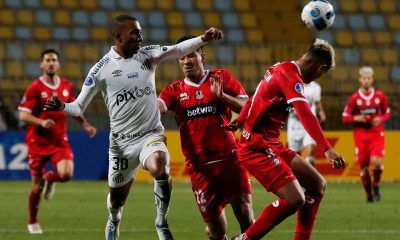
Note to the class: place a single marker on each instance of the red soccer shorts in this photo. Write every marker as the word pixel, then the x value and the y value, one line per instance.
pixel 37 163
pixel 268 163
pixel 367 144
pixel 213 184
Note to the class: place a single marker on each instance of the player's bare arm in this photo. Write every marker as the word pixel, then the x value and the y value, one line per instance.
pixel 30 119
pixel 217 89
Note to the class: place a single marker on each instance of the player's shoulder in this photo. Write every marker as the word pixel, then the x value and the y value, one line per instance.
pixel 179 84
pixel 65 81
pixel 100 65
pixel 379 92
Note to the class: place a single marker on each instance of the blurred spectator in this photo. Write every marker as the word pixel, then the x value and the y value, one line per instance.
pixel 8 120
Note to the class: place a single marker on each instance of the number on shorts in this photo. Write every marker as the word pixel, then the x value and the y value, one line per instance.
pixel 120 163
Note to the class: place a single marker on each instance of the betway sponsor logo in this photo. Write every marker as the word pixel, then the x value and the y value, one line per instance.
pixel 201 110
pixel 133 94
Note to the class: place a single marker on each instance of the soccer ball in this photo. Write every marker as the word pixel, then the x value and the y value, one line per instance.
pixel 318 15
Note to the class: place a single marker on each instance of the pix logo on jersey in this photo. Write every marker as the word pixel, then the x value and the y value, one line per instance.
pixel 133 75
pixel 183 97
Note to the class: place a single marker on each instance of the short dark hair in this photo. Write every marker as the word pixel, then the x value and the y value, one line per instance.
pixel 322 51
pixel 120 19
pixel 187 37
pixel 47 51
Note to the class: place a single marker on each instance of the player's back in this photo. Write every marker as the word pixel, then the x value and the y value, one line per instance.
pixel 281 85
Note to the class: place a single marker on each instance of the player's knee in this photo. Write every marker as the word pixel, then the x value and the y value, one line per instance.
pixel 215 233
pixel 297 201
pixel 38 188
pixel 158 166
pixel 65 176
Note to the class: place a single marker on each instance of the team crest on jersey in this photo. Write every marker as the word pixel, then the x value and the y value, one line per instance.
pixel 199 94
pixel 183 97
pixel 299 88
pixel 44 95
pixel 377 101
pixel 88 81
pixel 65 93
pixel 133 75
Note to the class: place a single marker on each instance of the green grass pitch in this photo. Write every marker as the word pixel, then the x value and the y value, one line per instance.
pixel 78 211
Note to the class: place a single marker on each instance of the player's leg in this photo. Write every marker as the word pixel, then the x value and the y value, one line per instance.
pixel 217 227
pixel 242 208
pixel 115 202
pixel 36 165
pixel 377 154
pixel 314 184
pixel 157 163
pixel 276 176
pixel 240 198
pixel 63 161
pixel 363 159
pixel 155 159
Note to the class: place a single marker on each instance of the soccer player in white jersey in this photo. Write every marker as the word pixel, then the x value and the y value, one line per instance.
pixel 298 138
pixel 126 78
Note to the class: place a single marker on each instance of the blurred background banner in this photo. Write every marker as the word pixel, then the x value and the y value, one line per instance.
pixel 91 155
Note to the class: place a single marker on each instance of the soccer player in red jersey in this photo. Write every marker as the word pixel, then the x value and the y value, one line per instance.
pixel 46 134
pixel 368 109
pixel 260 150
pixel 202 102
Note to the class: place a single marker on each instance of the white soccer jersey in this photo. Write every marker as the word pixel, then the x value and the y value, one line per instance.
pixel 295 129
pixel 128 87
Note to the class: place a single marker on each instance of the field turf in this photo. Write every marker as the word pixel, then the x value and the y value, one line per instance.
pixel 78 212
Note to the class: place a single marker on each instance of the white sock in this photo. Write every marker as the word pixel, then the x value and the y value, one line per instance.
pixel 115 214
pixel 162 192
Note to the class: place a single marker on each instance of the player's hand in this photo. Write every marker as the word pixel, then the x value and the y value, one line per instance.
pixel 376 121
pixel 212 34
pixel 90 130
pixel 361 118
pixel 335 158
pixel 232 126
pixel 47 123
pixel 54 104
pixel 216 86
pixel 322 116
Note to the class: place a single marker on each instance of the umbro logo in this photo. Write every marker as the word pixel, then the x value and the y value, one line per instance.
pixel 117 73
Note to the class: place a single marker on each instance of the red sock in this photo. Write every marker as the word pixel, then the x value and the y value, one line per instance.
pixel 34 201
pixel 377 175
pixel 306 217
pixel 271 216
pixel 53 176
pixel 366 181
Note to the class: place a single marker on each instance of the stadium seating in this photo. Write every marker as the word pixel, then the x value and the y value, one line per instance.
pixel 257 34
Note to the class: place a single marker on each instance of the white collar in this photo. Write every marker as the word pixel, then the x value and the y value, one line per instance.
pixel 52 86
pixel 365 97
pixel 188 82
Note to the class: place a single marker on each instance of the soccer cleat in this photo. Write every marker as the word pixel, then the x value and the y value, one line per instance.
pixel 240 237
pixel 370 199
pixel 377 194
pixel 112 230
pixel 163 232
pixel 49 189
pixel 34 228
